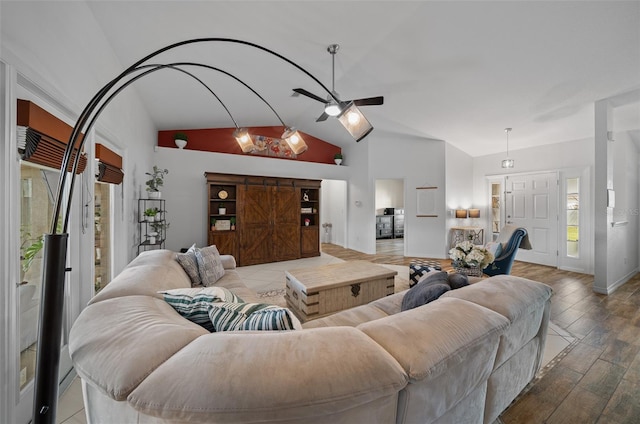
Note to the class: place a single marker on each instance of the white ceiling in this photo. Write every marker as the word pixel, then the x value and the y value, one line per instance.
pixel 455 71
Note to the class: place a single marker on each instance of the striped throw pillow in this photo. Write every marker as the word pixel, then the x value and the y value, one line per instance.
pixel 189 263
pixel 251 316
pixel 194 303
pixel 209 265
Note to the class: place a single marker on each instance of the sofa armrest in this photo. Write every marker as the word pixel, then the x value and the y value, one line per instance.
pixel 228 261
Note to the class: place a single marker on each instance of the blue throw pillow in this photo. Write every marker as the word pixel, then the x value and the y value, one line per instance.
pixel 427 290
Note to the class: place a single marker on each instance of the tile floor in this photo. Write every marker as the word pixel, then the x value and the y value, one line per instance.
pixel 270 277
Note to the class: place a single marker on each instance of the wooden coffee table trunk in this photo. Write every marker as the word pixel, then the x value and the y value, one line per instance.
pixel 319 291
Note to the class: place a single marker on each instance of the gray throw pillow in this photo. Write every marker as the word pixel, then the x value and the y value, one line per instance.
pixel 209 265
pixel 189 263
pixel 427 290
pixel 458 280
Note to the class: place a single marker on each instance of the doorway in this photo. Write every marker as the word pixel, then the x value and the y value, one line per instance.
pixel 531 202
pixel 390 217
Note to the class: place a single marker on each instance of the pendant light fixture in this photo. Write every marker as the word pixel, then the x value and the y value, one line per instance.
pixel 508 163
pixel 294 140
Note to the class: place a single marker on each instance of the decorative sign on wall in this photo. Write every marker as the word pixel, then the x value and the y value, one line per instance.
pixel 426 202
pixel 272 147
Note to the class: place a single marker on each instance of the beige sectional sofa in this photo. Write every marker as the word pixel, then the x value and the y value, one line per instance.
pixel 460 359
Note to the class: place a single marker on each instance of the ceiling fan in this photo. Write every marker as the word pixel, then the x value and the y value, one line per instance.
pixel 333 108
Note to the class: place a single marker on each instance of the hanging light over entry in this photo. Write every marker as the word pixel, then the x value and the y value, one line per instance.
pixel 508 163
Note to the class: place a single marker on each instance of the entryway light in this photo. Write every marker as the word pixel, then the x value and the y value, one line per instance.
pixel 508 163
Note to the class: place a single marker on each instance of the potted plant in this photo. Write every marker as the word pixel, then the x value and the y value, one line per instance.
pixel 233 223
pixel 151 214
pixel 180 139
pixel 160 229
pixel 222 209
pixel 155 182
pixel 213 224
pixel 337 158
pixel 307 222
pixel 151 237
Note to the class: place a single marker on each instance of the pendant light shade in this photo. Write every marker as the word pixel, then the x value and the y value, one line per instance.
pixel 294 140
pixel 355 122
pixel 244 140
pixel 508 163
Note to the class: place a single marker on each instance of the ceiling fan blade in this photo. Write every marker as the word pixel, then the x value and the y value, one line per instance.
pixel 322 117
pixel 370 101
pixel 310 95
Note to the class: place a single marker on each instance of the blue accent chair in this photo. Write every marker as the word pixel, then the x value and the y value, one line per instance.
pixel 504 260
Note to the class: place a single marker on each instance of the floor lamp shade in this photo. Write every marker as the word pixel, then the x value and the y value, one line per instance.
pixel 355 122
pixel 294 140
pixel 244 140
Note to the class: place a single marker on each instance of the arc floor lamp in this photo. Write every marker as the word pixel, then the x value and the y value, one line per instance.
pixel 55 246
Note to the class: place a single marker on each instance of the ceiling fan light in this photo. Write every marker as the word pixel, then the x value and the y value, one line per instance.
pixel 243 138
pixel 294 140
pixel 355 122
pixel 332 109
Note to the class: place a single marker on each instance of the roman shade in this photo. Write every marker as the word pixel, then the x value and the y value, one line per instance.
pixel 42 137
pixel 109 165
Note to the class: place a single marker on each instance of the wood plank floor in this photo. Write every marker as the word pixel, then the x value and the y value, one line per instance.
pixel 598 381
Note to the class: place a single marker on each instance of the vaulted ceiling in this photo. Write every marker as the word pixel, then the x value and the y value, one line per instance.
pixel 454 71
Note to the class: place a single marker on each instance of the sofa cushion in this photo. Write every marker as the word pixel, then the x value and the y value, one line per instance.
pixel 209 265
pixel 281 376
pixel 430 287
pixel 194 303
pixel 251 316
pixel 189 263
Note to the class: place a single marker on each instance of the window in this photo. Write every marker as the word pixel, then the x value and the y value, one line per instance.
pixel 38 187
pixel 102 229
pixel 573 217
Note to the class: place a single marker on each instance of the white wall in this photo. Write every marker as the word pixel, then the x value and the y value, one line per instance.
pixel 570 155
pixel 419 162
pixel 624 246
pixel 459 189
pixel 185 185
pixel 333 210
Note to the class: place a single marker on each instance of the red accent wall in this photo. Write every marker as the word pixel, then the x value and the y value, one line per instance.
pixel 220 140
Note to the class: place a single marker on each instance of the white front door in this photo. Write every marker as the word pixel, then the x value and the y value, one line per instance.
pixel 531 201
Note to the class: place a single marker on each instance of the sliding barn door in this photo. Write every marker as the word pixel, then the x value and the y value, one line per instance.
pixel 286 228
pixel 256 218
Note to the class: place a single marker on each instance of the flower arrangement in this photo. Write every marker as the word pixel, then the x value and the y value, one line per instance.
pixel 307 221
pixel 468 255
